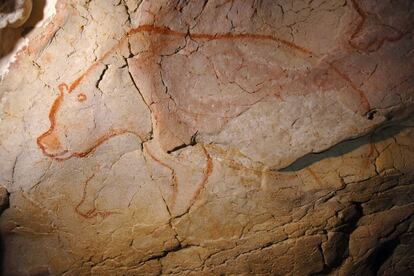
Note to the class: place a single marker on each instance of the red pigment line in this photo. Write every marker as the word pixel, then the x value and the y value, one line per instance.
pixel 174 181
pixel 83 198
pixel 388 39
pixel 93 212
pixel 98 142
pixel 230 36
pixel 360 25
pixel 95 64
pixel 315 176
pixel 52 118
pixel 140 29
pixel 206 174
pixel 362 95
pixel 167 31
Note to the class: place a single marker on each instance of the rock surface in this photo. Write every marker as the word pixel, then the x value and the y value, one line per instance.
pixel 211 137
pixel 4 199
pixel 13 13
pixel 18 18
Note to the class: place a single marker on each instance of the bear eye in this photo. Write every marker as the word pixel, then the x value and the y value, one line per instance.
pixel 81 97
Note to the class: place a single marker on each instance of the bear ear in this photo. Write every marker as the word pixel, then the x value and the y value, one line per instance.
pixel 63 87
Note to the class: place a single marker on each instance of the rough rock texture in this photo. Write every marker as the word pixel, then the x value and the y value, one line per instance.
pixel 13 13
pixel 211 137
pixel 18 18
pixel 4 199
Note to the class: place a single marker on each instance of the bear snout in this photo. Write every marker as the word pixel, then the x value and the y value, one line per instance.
pixel 50 144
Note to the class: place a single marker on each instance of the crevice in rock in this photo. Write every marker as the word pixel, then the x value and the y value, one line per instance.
pixel 139 93
pixel 372 264
pixel 164 253
pixel 371 114
pixel 101 76
pixel 193 142
pixel 338 246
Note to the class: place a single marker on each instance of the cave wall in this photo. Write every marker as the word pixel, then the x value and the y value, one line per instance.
pixel 208 137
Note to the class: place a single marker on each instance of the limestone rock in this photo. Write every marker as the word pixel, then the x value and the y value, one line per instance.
pixel 211 137
pixel 4 199
pixel 13 13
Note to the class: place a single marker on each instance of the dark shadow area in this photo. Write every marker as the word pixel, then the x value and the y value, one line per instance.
pixel 2 250
pixel 4 204
pixel 10 37
pixel 381 133
pixel 376 259
pixel 338 244
pixel 382 254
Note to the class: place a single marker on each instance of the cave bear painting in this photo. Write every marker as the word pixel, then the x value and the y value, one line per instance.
pixel 199 102
pixel 219 77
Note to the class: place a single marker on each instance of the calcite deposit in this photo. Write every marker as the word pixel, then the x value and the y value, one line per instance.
pixel 210 137
pixel 14 13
